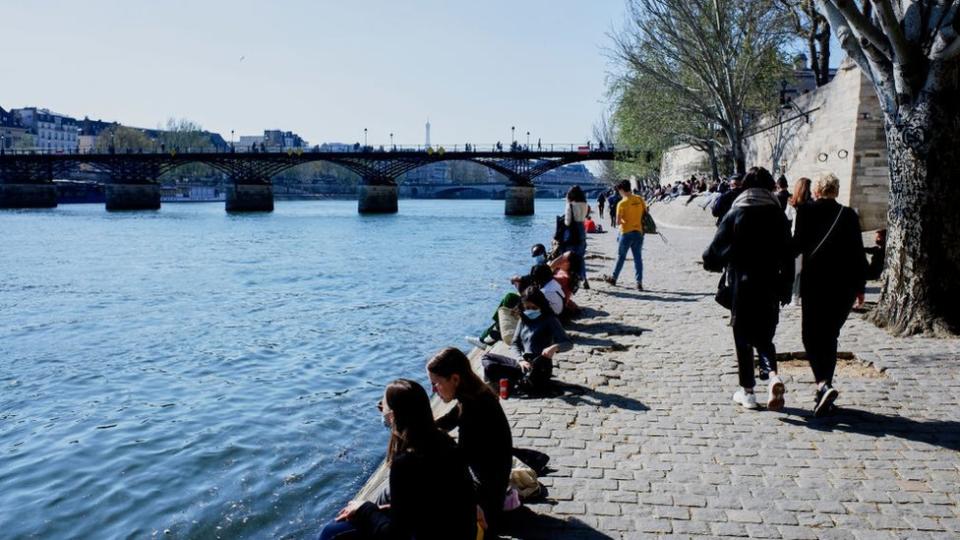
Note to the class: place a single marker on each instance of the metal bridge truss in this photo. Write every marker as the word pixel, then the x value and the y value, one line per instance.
pixel 382 168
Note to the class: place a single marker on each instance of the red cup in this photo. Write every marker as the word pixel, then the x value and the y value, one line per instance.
pixel 504 388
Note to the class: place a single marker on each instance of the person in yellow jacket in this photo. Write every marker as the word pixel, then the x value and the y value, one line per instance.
pixel 629 214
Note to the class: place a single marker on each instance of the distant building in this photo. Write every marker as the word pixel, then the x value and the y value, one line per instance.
pixel 12 132
pixel 272 140
pixel 89 131
pixel 52 132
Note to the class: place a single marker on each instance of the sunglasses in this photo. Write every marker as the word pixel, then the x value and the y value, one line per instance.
pixel 380 405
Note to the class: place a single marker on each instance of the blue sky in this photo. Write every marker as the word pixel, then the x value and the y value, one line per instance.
pixel 324 69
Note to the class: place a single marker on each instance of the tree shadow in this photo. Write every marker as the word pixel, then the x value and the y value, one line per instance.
pixel 525 524
pixel 616 328
pixel 575 394
pixel 649 296
pixel 945 434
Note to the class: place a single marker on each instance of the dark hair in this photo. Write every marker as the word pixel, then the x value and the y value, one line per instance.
pixel 413 426
pixel 533 296
pixel 624 185
pixel 541 275
pixel 801 192
pixel 758 177
pixel 782 182
pixel 538 249
pixel 451 361
pixel 576 194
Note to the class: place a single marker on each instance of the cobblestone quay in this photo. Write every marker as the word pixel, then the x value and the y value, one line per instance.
pixel 646 441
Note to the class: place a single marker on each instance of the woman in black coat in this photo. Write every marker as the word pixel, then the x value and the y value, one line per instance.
pixel 833 278
pixel 431 493
pixel 483 431
pixel 752 245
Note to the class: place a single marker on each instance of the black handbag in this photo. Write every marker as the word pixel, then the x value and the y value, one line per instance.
pixel 724 295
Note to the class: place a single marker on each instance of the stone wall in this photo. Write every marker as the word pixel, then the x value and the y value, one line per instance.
pixel 842 134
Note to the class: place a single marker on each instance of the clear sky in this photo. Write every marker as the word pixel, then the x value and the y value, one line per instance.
pixel 324 69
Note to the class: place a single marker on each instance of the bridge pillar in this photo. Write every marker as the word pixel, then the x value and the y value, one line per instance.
pixel 377 198
pixel 41 195
pixel 250 198
pixel 519 200
pixel 145 196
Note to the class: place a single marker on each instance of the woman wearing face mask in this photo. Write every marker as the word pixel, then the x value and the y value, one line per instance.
pixel 418 451
pixel 484 433
pixel 537 338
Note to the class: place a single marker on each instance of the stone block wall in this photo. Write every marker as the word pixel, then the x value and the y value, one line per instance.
pixel 842 134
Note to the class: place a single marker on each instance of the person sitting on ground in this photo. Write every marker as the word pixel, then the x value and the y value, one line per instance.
pixel 483 431
pixel 418 450
pixel 877 252
pixel 510 300
pixel 539 253
pixel 537 339
pixel 551 289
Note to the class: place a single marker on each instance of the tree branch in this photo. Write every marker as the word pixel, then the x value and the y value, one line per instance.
pixel 891 27
pixel 862 26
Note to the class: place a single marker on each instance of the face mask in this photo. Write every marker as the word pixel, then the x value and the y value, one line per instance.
pixel 540 259
pixel 385 418
pixel 531 313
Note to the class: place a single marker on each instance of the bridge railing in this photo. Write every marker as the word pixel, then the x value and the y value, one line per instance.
pixel 356 148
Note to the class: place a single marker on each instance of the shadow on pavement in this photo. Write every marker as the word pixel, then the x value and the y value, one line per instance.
pixel 651 296
pixel 525 524
pixel 575 394
pixel 608 328
pixel 945 434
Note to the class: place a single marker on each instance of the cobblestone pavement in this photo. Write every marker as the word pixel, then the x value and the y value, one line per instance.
pixel 646 441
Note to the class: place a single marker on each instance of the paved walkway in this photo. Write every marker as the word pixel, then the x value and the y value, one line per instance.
pixel 647 443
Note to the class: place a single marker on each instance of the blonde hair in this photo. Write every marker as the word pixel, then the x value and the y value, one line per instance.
pixel 827 187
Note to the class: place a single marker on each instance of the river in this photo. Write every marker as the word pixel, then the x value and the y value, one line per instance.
pixel 187 373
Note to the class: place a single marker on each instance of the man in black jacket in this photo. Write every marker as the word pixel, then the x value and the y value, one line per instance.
pixel 723 203
pixel 752 244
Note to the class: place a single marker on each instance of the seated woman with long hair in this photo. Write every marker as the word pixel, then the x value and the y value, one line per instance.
pixel 484 433
pixel 431 492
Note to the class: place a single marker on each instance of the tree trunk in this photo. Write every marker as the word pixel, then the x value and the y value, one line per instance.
pixel 714 168
pixel 823 73
pixel 921 281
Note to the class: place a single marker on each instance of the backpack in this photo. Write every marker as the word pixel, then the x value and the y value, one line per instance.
pixel 649 226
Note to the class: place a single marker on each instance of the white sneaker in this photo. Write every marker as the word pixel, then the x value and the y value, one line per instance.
pixel 775 397
pixel 476 342
pixel 747 399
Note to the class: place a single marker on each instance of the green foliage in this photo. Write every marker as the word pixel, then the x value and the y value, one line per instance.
pixel 122 139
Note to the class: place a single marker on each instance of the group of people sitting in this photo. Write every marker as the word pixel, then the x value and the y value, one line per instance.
pixel 474 470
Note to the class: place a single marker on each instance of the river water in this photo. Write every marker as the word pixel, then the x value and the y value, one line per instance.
pixel 192 374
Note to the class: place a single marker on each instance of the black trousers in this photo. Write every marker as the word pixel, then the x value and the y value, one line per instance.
pixel 822 319
pixel 751 333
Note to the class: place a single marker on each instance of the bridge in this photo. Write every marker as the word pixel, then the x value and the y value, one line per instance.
pixel 26 179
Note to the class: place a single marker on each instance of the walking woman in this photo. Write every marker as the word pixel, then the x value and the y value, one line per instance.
pixel 799 199
pixel 573 217
pixel 431 493
pixel 752 247
pixel 834 275
pixel 484 433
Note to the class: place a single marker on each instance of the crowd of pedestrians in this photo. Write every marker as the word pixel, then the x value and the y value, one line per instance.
pixel 772 248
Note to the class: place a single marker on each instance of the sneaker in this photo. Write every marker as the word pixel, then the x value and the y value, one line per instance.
pixel 825 398
pixel 476 342
pixel 763 374
pixel 747 399
pixel 775 398
pixel 639 286
pixel 610 280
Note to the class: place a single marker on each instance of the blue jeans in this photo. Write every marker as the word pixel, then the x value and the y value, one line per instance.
pixel 340 530
pixel 631 241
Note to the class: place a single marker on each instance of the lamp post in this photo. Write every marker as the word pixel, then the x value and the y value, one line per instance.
pixel 391 141
pixel 364 137
pixel 528 140
pixel 512 138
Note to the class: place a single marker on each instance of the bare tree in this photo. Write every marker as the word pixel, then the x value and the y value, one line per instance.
pixel 814 28
pixel 910 50
pixel 604 131
pixel 715 56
